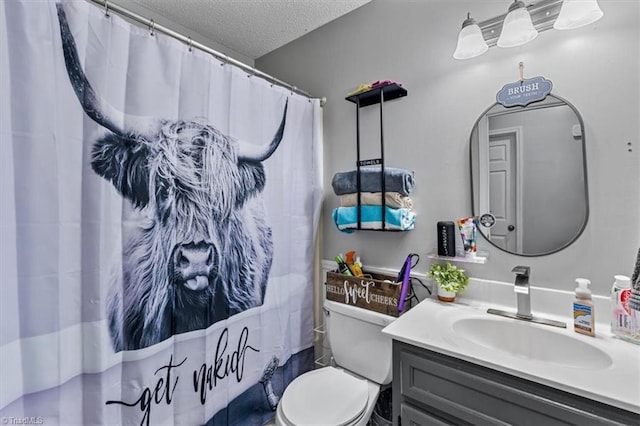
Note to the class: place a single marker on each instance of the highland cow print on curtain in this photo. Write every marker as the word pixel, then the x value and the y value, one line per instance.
pixel 159 209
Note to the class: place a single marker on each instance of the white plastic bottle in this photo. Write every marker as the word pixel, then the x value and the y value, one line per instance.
pixel 621 320
pixel 583 314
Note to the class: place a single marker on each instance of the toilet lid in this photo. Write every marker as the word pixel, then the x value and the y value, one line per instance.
pixel 327 396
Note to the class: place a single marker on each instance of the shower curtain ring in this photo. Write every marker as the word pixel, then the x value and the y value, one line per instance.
pixel 251 73
pixel 190 44
pixel 226 60
pixel 106 8
pixel 152 27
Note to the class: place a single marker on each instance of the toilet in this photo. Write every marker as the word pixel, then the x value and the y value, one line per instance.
pixel 344 394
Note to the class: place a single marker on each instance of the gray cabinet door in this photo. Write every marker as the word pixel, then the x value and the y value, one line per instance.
pixel 464 393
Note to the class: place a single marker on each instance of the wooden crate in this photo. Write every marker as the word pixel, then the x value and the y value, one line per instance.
pixel 375 292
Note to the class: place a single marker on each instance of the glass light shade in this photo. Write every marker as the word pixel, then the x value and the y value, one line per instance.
pixel 470 41
pixel 577 13
pixel 517 28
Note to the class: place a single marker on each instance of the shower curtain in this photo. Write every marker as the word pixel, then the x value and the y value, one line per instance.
pixel 159 209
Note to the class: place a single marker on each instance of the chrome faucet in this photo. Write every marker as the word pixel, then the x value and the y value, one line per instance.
pixel 521 287
pixel 523 295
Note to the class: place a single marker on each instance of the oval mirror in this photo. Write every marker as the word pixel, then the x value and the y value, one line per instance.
pixel 529 171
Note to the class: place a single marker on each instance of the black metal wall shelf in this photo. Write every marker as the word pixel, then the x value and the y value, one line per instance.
pixel 372 97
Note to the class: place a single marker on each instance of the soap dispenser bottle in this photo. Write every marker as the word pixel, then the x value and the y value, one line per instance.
pixel 583 314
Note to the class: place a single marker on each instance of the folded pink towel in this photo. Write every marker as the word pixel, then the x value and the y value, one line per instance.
pixel 380 83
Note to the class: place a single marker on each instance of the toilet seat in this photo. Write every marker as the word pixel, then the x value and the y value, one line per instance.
pixel 327 396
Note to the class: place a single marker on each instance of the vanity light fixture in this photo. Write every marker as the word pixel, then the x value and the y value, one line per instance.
pixel 539 16
pixel 470 40
pixel 517 28
pixel 577 13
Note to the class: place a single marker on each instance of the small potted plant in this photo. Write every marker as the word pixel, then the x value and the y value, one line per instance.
pixel 450 280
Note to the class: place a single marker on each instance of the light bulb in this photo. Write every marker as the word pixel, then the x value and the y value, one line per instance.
pixel 577 13
pixel 517 28
pixel 471 43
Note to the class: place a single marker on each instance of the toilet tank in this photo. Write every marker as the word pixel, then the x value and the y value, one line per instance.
pixel 356 340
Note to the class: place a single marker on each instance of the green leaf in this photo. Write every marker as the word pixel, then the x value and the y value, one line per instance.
pixel 448 276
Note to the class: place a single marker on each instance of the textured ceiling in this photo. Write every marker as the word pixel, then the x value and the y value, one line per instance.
pixel 250 27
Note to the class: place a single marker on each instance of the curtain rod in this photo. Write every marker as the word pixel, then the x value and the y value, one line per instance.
pixel 108 6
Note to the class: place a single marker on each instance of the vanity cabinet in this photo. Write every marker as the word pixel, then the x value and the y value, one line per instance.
pixel 430 388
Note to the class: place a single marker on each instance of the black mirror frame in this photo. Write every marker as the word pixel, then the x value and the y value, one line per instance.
pixel 586 181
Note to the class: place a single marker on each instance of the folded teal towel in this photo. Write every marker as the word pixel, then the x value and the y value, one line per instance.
pixel 395 180
pixel 346 218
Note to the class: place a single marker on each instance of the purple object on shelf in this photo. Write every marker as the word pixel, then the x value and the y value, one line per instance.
pixel 404 276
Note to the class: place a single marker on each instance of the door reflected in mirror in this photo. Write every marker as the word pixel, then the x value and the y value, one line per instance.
pixel 528 169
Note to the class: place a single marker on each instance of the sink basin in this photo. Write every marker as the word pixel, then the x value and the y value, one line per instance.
pixel 531 341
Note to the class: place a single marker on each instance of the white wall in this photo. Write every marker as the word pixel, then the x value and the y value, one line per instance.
pixel 596 68
pixel 161 20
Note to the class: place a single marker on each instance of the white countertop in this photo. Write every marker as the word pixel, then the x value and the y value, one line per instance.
pixel 429 325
